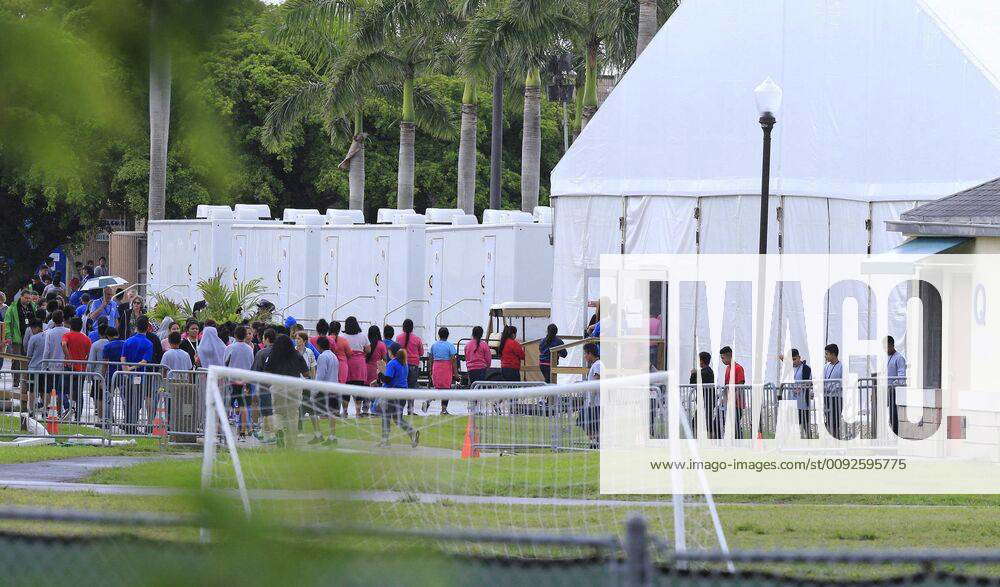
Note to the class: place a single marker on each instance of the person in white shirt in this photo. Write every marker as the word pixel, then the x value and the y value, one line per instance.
pixel 896 376
pixel 833 400
pixel 327 369
pixel 589 418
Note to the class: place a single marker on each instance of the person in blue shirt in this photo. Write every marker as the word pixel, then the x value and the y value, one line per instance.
pixel 95 334
pixel 76 298
pixel 112 354
pixel 396 376
pixel 545 354
pixel 388 334
pixel 81 303
pixel 106 306
pixel 138 390
pixel 444 366
pixel 138 348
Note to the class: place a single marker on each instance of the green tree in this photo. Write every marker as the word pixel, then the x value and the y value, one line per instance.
pixel 403 39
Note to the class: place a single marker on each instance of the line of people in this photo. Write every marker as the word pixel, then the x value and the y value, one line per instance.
pixel 800 377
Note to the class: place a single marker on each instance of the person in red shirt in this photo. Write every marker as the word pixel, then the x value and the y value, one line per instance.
pixel 736 375
pixel 414 347
pixel 76 347
pixel 511 354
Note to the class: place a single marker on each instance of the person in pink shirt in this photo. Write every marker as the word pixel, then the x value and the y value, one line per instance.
pixel 376 354
pixel 323 331
pixel 342 349
pixel 478 356
pixel 357 370
pixel 414 348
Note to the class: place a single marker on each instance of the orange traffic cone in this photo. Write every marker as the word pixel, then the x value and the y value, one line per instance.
pixel 52 418
pixel 469 451
pixel 159 421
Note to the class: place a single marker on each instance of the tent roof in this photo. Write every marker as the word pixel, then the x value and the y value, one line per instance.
pixel 888 100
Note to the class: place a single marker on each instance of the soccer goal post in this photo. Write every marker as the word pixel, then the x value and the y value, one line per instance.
pixel 504 458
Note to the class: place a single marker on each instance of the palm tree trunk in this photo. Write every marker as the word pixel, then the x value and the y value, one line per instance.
pixel 159 114
pixel 356 175
pixel 407 135
pixel 647 25
pixel 467 149
pixel 531 140
pixel 496 141
pixel 577 112
pixel 589 87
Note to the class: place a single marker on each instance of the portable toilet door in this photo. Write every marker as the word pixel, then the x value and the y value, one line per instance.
pixel 283 275
pixel 488 280
pixel 240 258
pixel 153 262
pixel 381 279
pixel 330 260
pixel 194 265
pixel 435 282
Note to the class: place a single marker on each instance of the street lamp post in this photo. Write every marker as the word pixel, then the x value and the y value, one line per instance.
pixel 561 89
pixel 768 97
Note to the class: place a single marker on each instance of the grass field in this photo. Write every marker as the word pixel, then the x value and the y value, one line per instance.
pixel 834 522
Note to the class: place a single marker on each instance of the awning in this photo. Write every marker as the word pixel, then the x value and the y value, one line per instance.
pixel 903 259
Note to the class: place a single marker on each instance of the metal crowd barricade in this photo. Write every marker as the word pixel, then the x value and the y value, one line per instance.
pixel 186 391
pixel 133 396
pixel 525 424
pixel 30 411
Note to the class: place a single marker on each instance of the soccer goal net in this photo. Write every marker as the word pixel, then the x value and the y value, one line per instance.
pixel 503 457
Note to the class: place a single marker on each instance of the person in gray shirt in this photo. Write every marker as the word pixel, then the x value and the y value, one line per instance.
pixel 34 351
pixel 53 355
pixel 239 355
pixel 833 400
pixel 175 359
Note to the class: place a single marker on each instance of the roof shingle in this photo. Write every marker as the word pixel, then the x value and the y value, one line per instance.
pixel 977 205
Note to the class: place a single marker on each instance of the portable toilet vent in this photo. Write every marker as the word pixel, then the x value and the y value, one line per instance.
pixel 543 214
pixel 292 214
pixel 206 210
pixel 252 211
pixel 335 216
pixel 388 215
pixel 442 215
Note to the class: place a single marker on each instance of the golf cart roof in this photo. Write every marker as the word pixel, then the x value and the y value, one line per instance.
pixel 527 309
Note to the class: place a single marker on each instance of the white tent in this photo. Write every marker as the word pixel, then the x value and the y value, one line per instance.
pixel 886 103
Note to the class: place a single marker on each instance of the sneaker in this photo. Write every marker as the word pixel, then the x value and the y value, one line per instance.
pixel 382 444
pixel 315 440
pixel 445 413
pixel 268 440
pixel 415 440
pixel 330 441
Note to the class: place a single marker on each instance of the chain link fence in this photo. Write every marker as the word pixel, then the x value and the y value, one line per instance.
pixel 111 549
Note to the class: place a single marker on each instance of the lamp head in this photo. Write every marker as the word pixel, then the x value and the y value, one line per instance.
pixel 768 97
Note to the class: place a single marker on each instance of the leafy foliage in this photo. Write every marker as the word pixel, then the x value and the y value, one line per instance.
pixel 223 303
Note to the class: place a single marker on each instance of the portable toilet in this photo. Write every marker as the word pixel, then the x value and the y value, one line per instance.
pixel 182 253
pixel 471 267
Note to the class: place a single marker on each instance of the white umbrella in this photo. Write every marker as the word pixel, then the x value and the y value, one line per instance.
pixel 103 282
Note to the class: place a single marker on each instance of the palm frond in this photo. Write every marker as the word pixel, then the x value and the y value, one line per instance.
pixel 285 113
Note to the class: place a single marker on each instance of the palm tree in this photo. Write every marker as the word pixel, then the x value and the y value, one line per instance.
pixel 159 111
pixel 647 25
pixel 523 30
pixel 320 30
pixel 466 191
pixel 348 76
pixel 402 39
